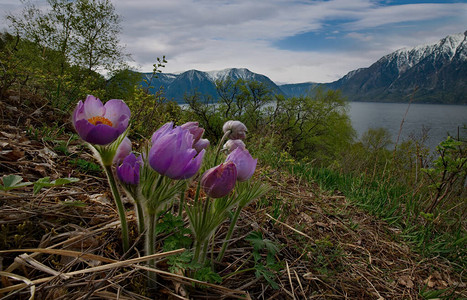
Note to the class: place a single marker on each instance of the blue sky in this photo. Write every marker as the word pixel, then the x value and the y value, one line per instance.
pixel 288 41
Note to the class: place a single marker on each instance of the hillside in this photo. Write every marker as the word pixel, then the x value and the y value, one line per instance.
pixel 70 235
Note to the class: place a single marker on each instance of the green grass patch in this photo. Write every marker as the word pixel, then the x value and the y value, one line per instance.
pixel 390 201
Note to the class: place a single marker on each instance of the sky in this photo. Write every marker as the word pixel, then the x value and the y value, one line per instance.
pixel 288 41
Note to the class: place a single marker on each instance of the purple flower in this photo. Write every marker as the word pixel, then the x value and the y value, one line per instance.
pixel 231 145
pixel 237 129
pixel 122 151
pixel 201 144
pixel 128 171
pixel 163 130
pixel 194 129
pixel 219 181
pixel 100 124
pixel 245 164
pixel 172 153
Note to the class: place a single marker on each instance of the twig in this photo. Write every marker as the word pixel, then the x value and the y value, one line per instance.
pixel 118 264
pixel 300 284
pixel 27 282
pixel 290 279
pixel 291 228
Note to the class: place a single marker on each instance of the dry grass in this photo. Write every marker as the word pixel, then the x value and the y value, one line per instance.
pixel 70 239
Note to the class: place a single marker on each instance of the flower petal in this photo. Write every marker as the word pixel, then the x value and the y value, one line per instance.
pixel 114 110
pixel 78 113
pixel 161 153
pixel 244 162
pixel 93 107
pixel 123 150
pixel 193 166
pixel 101 135
pixel 163 130
pixel 220 180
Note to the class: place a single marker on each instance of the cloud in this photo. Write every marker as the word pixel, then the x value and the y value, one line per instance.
pixel 211 35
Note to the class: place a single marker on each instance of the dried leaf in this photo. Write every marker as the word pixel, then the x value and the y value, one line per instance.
pixel 406 281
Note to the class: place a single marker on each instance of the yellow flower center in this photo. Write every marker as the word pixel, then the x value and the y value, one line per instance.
pixel 100 120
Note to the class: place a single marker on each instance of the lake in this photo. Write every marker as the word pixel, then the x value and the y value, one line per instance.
pixel 438 119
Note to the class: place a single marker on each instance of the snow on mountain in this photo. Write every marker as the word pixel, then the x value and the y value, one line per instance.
pixel 434 73
pixel 437 72
pixel 446 48
pixel 236 73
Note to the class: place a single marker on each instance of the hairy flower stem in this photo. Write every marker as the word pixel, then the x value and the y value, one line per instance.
pixel 229 233
pixel 205 251
pixel 182 201
pixel 197 246
pixel 200 244
pixel 150 249
pixel 226 134
pixel 121 209
pixel 140 217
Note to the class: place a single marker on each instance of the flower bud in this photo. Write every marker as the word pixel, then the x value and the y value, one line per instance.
pixel 201 144
pixel 128 171
pixel 172 153
pixel 220 180
pixel 231 145
pixel 237 129
pixel 122 151
pixel 194 129
pixel 244 162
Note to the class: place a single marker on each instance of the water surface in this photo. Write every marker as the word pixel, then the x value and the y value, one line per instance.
pixel 439 120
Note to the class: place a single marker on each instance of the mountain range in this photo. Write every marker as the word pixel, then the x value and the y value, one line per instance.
pixel 435 73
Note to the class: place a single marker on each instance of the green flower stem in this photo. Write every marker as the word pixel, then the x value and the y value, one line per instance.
pixel 205 250
pixel 213 237
pixel 140 217
pixel 121 209
pixel 220 145
pixel 229 233
pixel 198 188
pixel 182 201
pixel 197 251
pixel 150 248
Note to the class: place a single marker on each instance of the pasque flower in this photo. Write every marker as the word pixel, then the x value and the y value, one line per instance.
pixel 220 180
pixel 244 162
pixel 201 144
pixel 172 153
pixel 163 130
pixel 98 123
pixel 197 132
pixel 237 129
pixel 194 129
pixel 231 145
pixel 128 171
pixel 122 151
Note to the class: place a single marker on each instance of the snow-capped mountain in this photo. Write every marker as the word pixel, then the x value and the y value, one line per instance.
pixel 177 85
pixel 435 73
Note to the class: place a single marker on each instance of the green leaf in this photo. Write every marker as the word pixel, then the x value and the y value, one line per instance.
pixel 180 261
pixel 256 240
pixel 45 182
pixel 74 203
pixel 62 181
pixel 208 275
pixel 267 274
pixel 13 182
